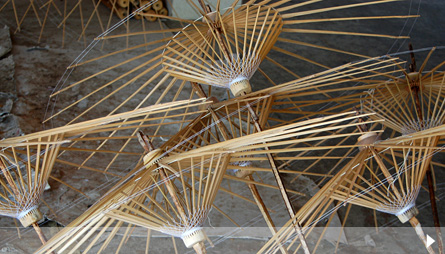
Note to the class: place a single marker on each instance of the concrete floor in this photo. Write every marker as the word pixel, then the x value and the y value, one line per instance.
pixel 37 71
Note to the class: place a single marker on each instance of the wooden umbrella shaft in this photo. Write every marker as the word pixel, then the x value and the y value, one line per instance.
pixel 275 170
pixel 280 184
pixel 198 247
pixel 419 231
pixel 434 210
pixel 39 232
pixel 172 193
pixel 148 147
pixel 259 201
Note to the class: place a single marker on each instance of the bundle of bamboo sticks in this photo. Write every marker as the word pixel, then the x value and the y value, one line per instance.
pixel 151 10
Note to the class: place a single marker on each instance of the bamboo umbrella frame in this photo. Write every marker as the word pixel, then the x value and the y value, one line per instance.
pixel 155 199
pixel 27 161
pixel 179 168
pixel 414 96
pixel 418 99
pixel 432 105
pixel 417 95
pixel 23 180
pixel 226 50
pixel 421 102
pixel 187 132
pixel 142 73
pixel 398 172
pixel 384 175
